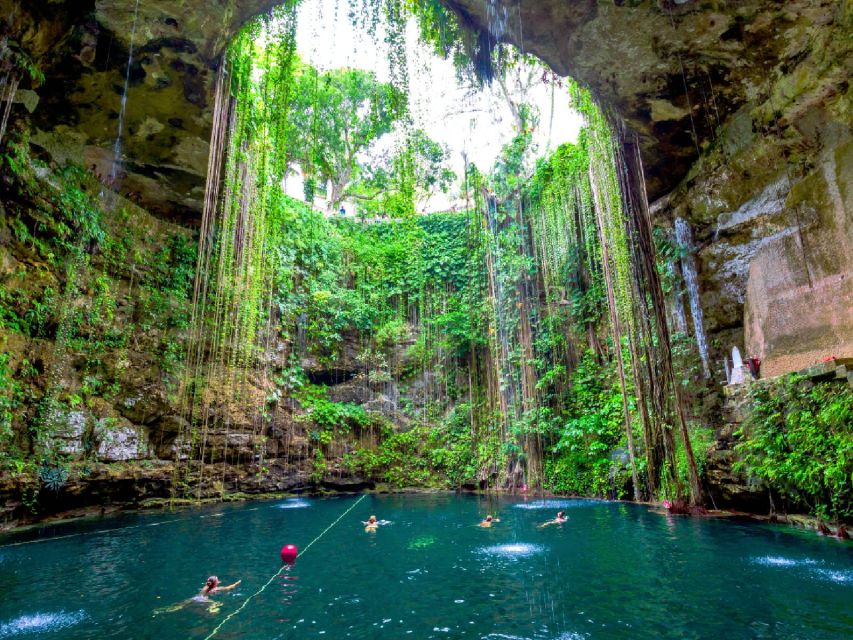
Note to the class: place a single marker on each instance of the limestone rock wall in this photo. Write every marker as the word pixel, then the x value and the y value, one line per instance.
pixel 799 299
pixel 83 48
pixel 772 213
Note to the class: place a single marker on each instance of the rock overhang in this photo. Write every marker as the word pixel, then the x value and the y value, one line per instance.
pixel 674 72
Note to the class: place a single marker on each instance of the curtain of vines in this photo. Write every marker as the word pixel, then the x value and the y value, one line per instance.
pixel 554 271
pixel 232 309
pixel 592 240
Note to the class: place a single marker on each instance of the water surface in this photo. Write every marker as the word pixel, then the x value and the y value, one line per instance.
pixel 612 571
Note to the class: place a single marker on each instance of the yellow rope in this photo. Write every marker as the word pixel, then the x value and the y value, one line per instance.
pixel 278 573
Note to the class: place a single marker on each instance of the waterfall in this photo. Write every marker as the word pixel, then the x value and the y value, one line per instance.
pixel 117 146
pixel 684 237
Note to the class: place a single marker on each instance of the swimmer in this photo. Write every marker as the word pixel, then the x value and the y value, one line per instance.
pixel 560 519
pixel 372 524
pixel 488 522
pixel 212 586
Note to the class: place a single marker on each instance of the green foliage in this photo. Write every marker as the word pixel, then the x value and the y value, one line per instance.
pixel 592 428
pixel 452 448
pixel 328 416
pixel 24 312
pixel 318 467
pixel 669 252
pixel 91 282
pixel 66 217
pixel 12 398
pixel 395 186
pixel 400 459
pixel 15 57
pixel 334 119
pixel 799 439
pixel 54 475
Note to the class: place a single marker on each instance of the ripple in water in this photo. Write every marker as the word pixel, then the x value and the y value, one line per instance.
pixel 295 503
pixel 40 623
pixel 778 561
pixel 513 550
pixel 839 576
pixel 555 504
pixel 568 635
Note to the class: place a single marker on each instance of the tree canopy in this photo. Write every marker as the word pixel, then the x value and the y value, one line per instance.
pixel 336 116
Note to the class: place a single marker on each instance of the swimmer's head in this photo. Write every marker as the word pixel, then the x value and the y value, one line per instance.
pixel 561 514
pixel 211 583
pixel 371 519
pixel 488 518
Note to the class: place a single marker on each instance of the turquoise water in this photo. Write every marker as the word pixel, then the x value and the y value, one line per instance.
pixel 612 571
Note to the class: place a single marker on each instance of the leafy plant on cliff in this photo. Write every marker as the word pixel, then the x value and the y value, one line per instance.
pixel 799 439
pixel 11 400
pixel 591 430
pixel 54 474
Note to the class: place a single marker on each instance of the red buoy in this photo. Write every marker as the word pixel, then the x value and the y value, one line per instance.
pixel 289 552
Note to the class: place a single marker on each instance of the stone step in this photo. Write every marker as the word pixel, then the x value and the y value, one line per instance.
pixel 820 371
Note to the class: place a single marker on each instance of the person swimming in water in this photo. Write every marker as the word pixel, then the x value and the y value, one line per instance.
pixel 372 524
pixel 560 519
pixel 212 586
pixel 488 522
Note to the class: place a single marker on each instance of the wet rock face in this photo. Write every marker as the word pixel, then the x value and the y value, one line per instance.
pixel 83 47
pixel 673 70
pixel 120 442
pixel 774 221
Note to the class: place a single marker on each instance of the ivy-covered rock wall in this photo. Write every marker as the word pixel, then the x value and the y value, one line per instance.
pixel 95 312
pixel 741 109
pixel 743 106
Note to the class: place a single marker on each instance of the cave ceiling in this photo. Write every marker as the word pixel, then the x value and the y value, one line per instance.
pixel 672 70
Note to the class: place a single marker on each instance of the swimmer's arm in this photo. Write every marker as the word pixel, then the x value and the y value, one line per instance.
pixel 230 586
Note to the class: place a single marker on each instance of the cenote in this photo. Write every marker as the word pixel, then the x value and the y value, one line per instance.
pixel 421 259
pixel 613 570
